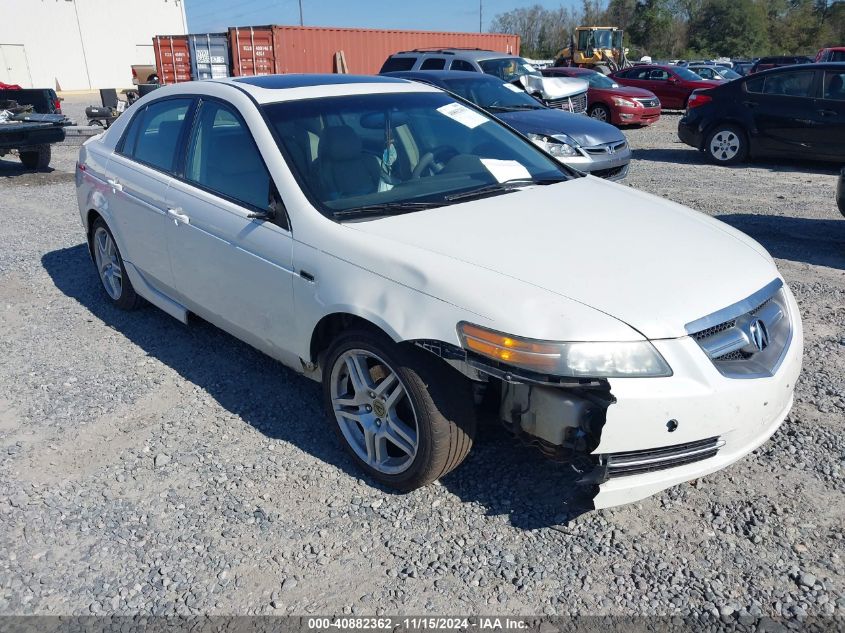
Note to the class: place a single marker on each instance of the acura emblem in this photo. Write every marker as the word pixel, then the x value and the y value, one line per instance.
pixel 759 334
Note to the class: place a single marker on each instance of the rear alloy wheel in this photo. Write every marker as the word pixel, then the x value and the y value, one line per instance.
pixel 401 414
pixel 726 145
pixel 110 267
pixel 600 113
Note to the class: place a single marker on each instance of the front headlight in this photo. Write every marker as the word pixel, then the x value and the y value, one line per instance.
pixel 626 103
pixel 628 359
pixel 555 146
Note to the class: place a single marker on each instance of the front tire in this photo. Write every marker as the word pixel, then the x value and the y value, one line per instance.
pixel 110 267
pixel 405 419
pixel 600 112
pixel 726 145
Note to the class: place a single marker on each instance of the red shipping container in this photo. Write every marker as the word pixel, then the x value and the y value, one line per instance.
pixel 264 50
pixel 173 58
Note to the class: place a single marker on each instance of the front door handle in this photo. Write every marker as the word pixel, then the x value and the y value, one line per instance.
pixel 114 183
pixel 178 216
pixel 828 112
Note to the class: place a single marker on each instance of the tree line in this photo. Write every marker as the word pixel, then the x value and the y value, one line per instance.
pixel 668 29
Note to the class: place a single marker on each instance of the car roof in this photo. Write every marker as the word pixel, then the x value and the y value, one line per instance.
pixel 272 88
pixel 840 66
pixel 571 69
pixel 443 75
pixel 475 54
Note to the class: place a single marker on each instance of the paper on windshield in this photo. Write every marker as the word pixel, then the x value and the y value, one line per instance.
pixel 462 115
pixel 504 170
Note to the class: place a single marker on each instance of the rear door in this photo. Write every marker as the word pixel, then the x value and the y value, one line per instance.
pixel 233 270
pixel 782 106
pixel 139 173
pixel 830 113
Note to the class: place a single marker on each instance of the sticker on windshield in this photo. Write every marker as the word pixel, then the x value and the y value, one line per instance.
pixel 513 88
pixel 504 170
pixel 462 115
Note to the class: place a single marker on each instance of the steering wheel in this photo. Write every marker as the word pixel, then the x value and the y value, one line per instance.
pixel 434 161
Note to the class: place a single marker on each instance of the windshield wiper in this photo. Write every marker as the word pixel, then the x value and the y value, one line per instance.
pixel 383 208
pixel 508 185
pixel 515 108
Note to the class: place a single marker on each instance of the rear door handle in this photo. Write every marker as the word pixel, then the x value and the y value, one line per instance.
pixel 178 216
pixel 828 112
pixel 114 183
pixel 750 104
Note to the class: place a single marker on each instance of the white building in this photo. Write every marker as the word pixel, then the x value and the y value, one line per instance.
pixel 82 44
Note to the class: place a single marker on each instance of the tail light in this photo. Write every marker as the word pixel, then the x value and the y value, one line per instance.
pixel 698 99
pixel 134 73
pixel 57 104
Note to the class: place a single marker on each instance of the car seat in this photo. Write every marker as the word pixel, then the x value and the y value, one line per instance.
pixel 343 168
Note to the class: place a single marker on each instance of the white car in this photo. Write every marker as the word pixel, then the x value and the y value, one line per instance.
pixel 422 260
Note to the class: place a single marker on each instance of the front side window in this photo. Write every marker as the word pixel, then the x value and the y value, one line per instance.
pixel 154 133
pixel 403 150
pixel 685 73
pixel 433 63
pixel 797 83
pixel 223 157
pixel 460 64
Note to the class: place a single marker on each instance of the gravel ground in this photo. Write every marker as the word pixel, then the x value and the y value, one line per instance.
pixel 149 467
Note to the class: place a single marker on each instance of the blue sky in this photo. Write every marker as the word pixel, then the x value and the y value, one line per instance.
pixel 205 16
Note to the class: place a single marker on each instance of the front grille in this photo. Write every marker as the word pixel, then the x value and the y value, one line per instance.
pixel 648 102
pixel 575 103
pixel 649 460
pixel 750 338
pixel 606 148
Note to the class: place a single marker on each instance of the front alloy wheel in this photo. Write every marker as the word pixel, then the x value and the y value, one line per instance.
pixel 404 416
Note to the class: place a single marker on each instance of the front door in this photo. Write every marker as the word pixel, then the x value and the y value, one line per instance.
pixel 232 270
pixel 139 173
pixel 782 106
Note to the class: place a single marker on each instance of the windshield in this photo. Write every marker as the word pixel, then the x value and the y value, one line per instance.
pixel 597 80
pixel 400 152
pixel 508 68
pixel 727 73
pixel 491 94
pixel 686 74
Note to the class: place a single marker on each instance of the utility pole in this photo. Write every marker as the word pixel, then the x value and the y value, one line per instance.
pixel 479 15
pixel 300 12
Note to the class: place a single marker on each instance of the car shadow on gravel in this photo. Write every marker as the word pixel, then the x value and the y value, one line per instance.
pixel 22 175
pixel 501 475
pixel 810 240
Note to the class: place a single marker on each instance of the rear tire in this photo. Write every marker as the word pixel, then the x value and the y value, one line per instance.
pixel 110 267
pixel 726 144
pixel 37 157
pixel 404 417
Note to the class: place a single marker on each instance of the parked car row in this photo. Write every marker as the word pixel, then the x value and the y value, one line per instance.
pixel 424 262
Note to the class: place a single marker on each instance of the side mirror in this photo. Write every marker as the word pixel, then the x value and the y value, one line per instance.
pixel 275 208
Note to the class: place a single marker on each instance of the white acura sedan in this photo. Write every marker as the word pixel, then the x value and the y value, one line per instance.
pixel 425 262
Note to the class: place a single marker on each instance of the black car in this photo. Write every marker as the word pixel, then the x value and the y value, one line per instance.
pixel 767 63
pixel 840 192
pixel 794 112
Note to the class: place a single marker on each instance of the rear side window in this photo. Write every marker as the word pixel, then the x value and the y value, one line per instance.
pixel 395 64
pixel 837 56
pixel 223 157
pixel 433 63
pixel 460 64
pixel 834 85
pixel 153 135
pixel 798 83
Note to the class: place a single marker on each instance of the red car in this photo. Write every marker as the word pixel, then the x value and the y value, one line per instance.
pixel 672 84
pixel 832 54
pixel 608 101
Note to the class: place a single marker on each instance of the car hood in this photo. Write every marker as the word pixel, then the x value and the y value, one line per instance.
pixel 626 91
pixel 650 263
pixel 586 130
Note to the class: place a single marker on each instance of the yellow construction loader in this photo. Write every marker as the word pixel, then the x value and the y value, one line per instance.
pixel 596 47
